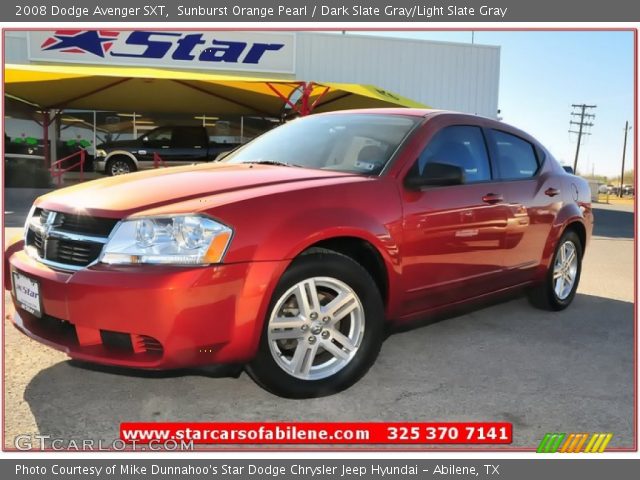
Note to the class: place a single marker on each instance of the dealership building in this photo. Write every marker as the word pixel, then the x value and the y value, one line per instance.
pixel 74 89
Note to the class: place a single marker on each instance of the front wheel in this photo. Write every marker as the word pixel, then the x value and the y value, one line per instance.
pixel 561 282
pixel 120 166
pixel 323 330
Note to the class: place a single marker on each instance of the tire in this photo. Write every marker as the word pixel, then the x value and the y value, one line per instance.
pixel 316 352
pixel 120 165
pixel 549 295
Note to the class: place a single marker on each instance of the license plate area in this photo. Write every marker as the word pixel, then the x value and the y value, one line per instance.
pixel 26 291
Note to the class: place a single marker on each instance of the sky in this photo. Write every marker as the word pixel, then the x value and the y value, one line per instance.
pixel 543 73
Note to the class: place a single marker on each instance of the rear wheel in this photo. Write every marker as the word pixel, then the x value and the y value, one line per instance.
pixel 120 166
pixel 323 330
pixel 561 282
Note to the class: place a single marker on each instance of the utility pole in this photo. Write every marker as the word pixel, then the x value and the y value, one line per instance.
pixel 624 151
pixel 580 111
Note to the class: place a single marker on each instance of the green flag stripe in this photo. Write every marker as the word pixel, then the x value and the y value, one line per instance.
pixel 543 443
pixel 550 443
pixel 556 445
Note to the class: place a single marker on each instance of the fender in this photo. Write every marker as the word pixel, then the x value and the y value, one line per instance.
pixel 121 152
pixel 329 224
pixel 569 214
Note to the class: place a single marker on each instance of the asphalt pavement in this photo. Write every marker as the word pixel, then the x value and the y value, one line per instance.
pixel 571 371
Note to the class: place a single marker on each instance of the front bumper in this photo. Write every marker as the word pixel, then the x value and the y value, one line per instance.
pixel 150 316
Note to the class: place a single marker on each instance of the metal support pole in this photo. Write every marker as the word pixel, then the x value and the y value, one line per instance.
pixel 95 135
pixel 624 151
pixel 45 139
pixel 575 161
pixel 54 124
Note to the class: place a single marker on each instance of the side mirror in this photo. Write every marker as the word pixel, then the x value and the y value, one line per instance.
pixel 436 174
pixel 145 139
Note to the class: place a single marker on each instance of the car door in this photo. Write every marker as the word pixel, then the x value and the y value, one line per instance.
pixel 157 141
pixel 532 197
pixel 453 236
pixel 189 144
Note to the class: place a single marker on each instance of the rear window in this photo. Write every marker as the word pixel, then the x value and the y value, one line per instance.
pixel 516 158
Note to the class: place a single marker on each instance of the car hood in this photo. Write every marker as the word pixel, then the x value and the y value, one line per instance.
pixel 117 197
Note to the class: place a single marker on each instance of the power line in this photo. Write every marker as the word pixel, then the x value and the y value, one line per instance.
pixel 583 120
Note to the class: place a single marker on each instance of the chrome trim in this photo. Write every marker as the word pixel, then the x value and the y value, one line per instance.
pixel 58 266
pixel 27 223
pixel 33 223
pixel 78 237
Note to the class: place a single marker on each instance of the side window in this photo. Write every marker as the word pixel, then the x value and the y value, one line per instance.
pixel 188 137
pixel 515 157
pixel 462 146
pixel 160 135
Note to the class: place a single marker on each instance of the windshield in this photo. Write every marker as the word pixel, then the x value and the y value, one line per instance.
pixel 354 143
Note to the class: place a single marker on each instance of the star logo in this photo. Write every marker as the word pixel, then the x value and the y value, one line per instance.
pixel 96 42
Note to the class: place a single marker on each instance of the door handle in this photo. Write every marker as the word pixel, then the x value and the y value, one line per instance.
pixel 492 198
pixel 551 192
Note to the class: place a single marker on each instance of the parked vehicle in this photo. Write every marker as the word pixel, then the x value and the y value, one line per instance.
pixel 293 254
pixel 176 145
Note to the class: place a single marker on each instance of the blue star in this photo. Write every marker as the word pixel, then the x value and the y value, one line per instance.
pixel 89 41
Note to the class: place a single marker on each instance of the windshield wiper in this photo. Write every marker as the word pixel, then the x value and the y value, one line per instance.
pixel 275 162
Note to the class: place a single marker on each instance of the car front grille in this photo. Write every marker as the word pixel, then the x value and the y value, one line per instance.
pixel 67 241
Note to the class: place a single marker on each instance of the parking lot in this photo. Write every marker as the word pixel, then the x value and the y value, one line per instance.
pixel 571 371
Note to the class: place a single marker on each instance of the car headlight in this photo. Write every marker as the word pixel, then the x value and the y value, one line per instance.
pixel 101 153
pixel 168 240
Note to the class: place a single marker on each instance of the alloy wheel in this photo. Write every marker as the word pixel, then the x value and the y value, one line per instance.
pixel 316 328
pixel 565 270
pixel 120 167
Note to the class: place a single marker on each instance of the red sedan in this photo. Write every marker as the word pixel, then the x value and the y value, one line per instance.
pixel 292 254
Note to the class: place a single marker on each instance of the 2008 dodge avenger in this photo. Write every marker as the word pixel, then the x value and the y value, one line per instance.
pixel 295 252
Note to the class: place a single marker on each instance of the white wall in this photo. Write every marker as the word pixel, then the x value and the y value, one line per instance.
pixel 452 76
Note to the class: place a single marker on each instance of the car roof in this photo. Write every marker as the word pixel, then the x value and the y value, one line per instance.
pixel 430 113
pixel 413 112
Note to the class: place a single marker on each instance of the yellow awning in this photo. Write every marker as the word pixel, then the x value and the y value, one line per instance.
pixel 155 90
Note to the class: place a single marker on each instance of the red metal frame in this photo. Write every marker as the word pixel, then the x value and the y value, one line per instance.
pixel 302 107
pixel 57 171
pixel 158 160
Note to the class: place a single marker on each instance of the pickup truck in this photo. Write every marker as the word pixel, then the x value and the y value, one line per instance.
pixel 176 145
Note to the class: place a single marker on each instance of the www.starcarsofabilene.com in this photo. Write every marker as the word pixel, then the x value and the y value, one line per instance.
pixel 28 442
